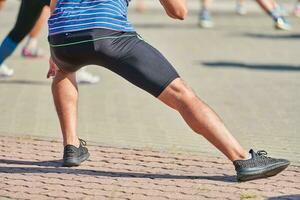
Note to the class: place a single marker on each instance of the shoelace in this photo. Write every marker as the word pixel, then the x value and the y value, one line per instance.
pixel 82 142
pixel 262 153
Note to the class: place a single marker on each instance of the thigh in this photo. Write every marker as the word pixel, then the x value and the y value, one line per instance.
pixel 29 13
pixel 140 64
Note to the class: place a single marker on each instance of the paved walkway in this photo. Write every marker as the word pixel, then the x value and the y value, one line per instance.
pixel 30 169
pixel 243 68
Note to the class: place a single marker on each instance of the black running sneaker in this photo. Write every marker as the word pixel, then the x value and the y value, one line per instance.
pixel 73 156
pixel 259 166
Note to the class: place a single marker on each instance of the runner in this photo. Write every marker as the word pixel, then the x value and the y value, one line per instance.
pixel 31 50
pixel 32 16
pixel 240 7
pixel 297 9
pixel 97 32
pixel 269 6
pixel 141 6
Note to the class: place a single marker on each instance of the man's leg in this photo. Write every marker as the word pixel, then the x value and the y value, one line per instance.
pixel 202 119
pixel 65 95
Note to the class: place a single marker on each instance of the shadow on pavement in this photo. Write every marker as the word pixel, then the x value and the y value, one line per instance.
pixel 272 36
pixel 24 82
pixel 274 67
pixel 293 196
pixel 48 163
pixel 58 169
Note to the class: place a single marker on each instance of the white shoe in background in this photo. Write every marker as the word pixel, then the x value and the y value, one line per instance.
pixel 83 76
pixel 5 71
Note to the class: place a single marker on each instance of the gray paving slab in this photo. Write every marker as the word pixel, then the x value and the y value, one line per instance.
pixel 246 71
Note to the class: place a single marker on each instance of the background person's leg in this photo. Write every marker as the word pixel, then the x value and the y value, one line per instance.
pixel 30 49
pixel 2 3
pixel 240 7
pixel 270 7
pixel 29 12
pixel 297 9
pixel 202 119
pixel 141 6
pixel 205 20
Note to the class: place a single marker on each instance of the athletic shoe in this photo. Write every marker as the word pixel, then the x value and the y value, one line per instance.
pixel 259 166
pixel 83 76
pixel 282 24
pixel 73 156
pixel 32 53
pixel 205 20
pixel 240 9
pixel 5 71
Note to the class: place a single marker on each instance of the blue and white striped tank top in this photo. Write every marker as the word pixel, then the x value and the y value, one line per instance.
pixel 77 15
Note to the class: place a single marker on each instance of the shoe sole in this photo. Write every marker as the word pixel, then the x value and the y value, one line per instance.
pixel 281 28
pixel 6 76
pixel 73 162
pixel 271 171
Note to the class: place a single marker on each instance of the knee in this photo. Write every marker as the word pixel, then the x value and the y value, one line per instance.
pixel 178 95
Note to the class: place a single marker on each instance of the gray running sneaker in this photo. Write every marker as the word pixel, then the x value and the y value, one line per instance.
pixel 73 156
pixel 259 166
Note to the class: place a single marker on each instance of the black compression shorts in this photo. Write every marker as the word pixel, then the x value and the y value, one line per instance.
pixel 126 54
pixel 29 13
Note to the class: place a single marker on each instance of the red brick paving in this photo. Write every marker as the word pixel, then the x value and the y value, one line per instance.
pixel 31 169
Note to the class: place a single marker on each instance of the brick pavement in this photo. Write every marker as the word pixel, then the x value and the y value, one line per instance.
pixel 251 78
pixel 31 169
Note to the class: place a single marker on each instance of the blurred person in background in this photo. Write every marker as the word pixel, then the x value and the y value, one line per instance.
pixel 2 2
pixel 271 7
pixel 297 9
pixel 240 8
pixel 141 6
pixel 30 49
pixel 32 16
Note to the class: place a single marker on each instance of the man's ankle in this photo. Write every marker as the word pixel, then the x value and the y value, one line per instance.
pixel 244 155
pixel 74 142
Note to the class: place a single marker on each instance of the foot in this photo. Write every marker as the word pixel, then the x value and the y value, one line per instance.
pixel 205 20
pixel 83 76
pixel 32 53
pixel 73 156
pixel 282 24
pixel 240 9
pixel 259 166
pixel 5 71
